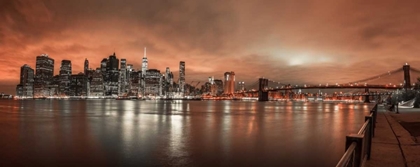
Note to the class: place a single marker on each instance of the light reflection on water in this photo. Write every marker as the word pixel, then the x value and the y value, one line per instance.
pixel 175 133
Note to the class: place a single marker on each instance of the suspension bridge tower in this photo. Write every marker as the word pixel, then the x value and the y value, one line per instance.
pixel 262 92
pixel 407 82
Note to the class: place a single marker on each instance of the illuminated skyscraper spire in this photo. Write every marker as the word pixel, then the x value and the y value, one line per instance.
pixel 144 63
pixel 143 72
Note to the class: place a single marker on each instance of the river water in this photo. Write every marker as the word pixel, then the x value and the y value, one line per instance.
pixel 175 133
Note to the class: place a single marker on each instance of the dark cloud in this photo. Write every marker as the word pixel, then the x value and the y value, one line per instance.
pixel 289 41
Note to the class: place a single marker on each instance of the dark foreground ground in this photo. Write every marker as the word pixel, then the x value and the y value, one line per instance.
pixel 397 139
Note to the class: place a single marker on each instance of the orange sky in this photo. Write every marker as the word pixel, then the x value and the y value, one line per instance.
pixel 289 41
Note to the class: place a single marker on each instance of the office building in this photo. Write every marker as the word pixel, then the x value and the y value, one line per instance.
pixel 181 77
pixel 43 77
pixel 78 85
pixel 241 86
pixel 113 76
pixel 65 77
pixel 135 83
pixel 96 83
pixel 86 67
pixel 229 85
pixel 123 84
pixel 144 68
pixel 153 86
pixel 218 87
pixel 26 84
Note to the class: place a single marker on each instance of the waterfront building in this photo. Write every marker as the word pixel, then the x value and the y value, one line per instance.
pixel 26 84
pixel 241 86
pixel 113 76
pixel 153 83
pixel 96 83
pixel 218 89
pixel 86 67
pixel 65 77
pixel 129 73
pixel 43 76
pixel 129 70
pixel 144 64
pixel 169 76
pixel 167 82
pixel 135 81
pixel 123 84
pixel 229 86
pixel 78 86
pixel 104 63
pixel 87 72
pixel 206 88
pixel 181 77
pixel 144 68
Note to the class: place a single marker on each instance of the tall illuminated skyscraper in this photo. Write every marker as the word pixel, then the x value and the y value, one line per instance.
pixel 113 75
pixel 64 78
pixel 144 65
pixel 44 75
pixel 229 86
pixel 144 68
pixel 26 84
pixel 123 77
pixel 181 76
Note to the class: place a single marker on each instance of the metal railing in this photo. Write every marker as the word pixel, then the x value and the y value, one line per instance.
pixel 358 146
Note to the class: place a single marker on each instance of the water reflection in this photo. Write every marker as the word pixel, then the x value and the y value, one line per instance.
pixel 175 133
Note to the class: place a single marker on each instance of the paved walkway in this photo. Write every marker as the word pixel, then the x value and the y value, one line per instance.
pixel 394 145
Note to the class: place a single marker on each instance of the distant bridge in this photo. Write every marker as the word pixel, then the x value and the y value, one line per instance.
pixel 264 89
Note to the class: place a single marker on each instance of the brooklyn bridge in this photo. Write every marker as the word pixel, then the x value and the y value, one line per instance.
pixel 369 88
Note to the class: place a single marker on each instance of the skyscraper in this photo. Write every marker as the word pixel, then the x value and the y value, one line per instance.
pixel 96 84
pixel 241 86
pixel 77 85
pixel 153 82
pixel 123 77
pixel 88 74
pixel 144 65
pixel 44 75
pixel 218 86
pixel 65 77
pixel 229 86
pixel 113 75
pixel 86 67
pixel 104 63
pixel 25 87
pixel 181 76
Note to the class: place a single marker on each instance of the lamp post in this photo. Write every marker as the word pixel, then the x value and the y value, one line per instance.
pixel 396 108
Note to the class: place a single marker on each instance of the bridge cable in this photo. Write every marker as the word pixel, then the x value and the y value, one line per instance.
pixel 378 76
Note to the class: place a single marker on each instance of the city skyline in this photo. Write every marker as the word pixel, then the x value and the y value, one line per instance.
pixel 294 42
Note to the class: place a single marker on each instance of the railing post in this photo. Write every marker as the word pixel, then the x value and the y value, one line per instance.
pixel 369 134
pixel 374 111
pixel 359 147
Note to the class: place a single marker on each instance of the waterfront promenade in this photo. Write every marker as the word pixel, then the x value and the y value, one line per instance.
pixel 397 139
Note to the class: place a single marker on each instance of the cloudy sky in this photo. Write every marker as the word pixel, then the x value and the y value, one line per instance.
pixel 284 40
